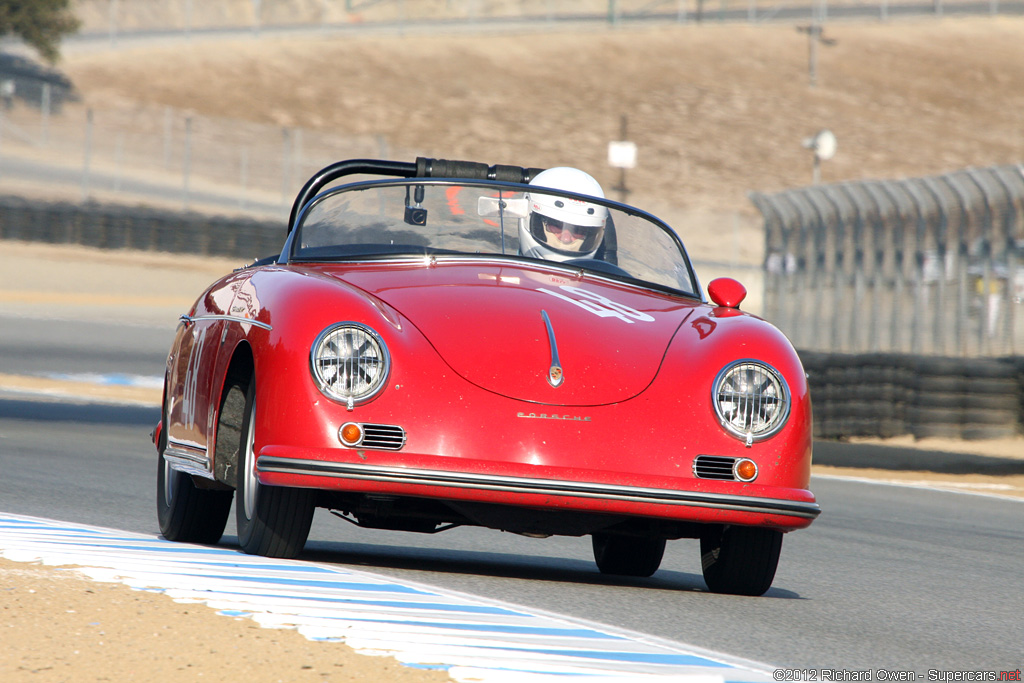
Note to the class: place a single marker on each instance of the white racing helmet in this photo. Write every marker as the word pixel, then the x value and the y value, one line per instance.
pixel 560 228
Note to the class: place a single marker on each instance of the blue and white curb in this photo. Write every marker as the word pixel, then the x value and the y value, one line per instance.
pixel 113 379
pixel 472 639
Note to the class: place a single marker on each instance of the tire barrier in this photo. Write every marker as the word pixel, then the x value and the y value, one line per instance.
pixel 116 226
pixel 886 395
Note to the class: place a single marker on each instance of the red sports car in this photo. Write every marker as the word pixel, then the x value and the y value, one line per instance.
pixel 445 343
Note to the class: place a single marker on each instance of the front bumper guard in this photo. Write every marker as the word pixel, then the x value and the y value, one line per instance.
pixel 524 485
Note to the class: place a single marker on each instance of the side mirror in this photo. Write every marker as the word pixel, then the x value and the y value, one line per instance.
pixel 492 207
pixel 725 291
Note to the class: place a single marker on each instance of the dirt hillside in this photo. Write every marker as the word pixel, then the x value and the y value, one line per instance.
pixel 716 110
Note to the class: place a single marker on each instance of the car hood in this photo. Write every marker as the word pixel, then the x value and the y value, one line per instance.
pixel 488 324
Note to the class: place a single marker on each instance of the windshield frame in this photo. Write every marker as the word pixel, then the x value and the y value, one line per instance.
pixel 289 253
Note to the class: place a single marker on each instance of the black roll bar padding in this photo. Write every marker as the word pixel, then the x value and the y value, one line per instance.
pixel 472 170
pixel 422 168
pixel 443 168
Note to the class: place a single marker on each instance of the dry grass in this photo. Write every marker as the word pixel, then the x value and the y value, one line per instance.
pixel 716 110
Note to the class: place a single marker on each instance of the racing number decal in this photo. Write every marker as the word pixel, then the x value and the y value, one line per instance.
pixel 600 305
pixel 188 399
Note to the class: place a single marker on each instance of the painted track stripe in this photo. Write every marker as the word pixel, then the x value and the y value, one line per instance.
pixel 474 639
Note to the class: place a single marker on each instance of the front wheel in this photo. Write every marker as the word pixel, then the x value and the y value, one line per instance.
pixel 185 512
pixel 740 560
pixel 627 555
pixel 272 521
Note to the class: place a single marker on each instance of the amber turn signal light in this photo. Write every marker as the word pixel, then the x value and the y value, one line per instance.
pixel 350 434
pixel 746 470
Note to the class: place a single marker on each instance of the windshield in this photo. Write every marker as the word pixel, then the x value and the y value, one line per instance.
pixel 442 218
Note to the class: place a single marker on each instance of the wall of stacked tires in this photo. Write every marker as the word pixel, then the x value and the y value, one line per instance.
pixel 887 395
pixel 116 226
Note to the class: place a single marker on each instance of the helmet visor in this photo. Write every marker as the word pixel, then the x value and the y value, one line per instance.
pixel 564 237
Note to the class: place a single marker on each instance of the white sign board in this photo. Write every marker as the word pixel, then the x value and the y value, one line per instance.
pixel 622 154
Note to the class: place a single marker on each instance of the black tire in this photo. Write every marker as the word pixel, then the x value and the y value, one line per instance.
pixel 975 416
pixel 938 366
pixel 985 433
pixel 627 555
pixel 934 416
pixel 926 384
pixel 740 560
pixel 272 521
pixel 938 399
pixel 992 386
pixel 992 402
pixel 937 431
pixel 186 513
pixel 994 368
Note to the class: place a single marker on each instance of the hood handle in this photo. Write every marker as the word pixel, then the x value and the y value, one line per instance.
pixel 555 372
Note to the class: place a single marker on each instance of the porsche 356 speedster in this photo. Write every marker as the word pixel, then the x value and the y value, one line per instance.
pixel 445 343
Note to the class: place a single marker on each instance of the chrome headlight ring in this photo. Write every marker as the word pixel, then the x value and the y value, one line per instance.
pixel 350 363
pixel 751 400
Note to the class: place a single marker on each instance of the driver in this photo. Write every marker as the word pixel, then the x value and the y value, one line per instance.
pixel 559 228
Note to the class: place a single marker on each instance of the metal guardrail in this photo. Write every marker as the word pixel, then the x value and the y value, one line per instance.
pixel 931 266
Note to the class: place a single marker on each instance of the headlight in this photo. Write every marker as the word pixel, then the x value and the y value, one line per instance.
pixel 751 400
pixel 350 363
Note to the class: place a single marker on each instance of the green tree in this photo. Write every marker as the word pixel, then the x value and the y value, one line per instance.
pixel 40 23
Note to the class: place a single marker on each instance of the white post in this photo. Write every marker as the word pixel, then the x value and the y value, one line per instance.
pixel 112 20
pixel 118 159
pixel 244 179
pixel 297 154
pixel 44 121
pixel 168 133
pixel 285 163
pixel 257 12
pixel 88 155
pixel 187 165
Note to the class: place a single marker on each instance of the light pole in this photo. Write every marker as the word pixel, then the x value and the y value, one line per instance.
pixel 815 35
pixel 823 144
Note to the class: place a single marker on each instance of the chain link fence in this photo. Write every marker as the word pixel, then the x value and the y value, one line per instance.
pixel 172 158
pixel 927 266
pixel 109 19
